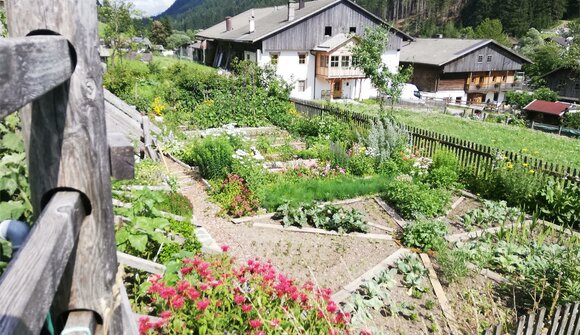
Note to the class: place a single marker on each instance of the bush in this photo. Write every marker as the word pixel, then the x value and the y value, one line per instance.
pixel 215 296
pixel 572 120
pixel 235 197
pixel 385 139
pixel 213 156
pixel 453 264
pixel 425 235
pixel 560 202
pixel 414 200
pixel 444 170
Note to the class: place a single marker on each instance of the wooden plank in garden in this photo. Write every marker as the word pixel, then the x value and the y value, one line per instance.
pixel 140 263
pixel 31 66
pixel 130 326
pixel 65 136
pixel 122 156
pixel 555 321
pixel 31 280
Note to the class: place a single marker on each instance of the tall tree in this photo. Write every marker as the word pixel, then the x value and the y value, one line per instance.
pixel 492 29
pixel 159 33
pixel 368 54
pixel 117 15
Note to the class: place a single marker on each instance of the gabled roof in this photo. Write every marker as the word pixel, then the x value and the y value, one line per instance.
pixel 547 107
pixel 334 42
pixel 568 66
pixel 440 51
pixel 270 20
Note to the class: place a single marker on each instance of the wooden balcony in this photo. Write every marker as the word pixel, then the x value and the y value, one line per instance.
pixel 492 87
pixel 339 72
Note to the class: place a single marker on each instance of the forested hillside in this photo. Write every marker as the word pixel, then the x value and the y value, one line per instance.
pixel 420 17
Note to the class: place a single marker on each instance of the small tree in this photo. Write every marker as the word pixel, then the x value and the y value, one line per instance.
pixel 368 54
pixel 117 16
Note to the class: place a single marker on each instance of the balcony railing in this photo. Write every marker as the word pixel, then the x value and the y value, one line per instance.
pixel 340 72
pixel 493 87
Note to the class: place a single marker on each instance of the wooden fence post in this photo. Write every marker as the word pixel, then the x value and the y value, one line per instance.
pixel 67 149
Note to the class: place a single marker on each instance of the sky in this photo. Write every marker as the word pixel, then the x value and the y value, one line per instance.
pixel 152 7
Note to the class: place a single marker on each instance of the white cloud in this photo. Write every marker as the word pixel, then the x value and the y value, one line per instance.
pixel 152 7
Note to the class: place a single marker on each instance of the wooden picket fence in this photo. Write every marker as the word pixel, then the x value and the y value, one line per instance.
pixel 566 321
pixel 479 158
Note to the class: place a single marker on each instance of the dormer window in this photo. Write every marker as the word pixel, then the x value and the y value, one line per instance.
pixel 328 31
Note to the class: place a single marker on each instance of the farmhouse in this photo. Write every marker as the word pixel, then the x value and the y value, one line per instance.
pixel 547 111
pixel 565 81
pixel 308 42
pixel 463 70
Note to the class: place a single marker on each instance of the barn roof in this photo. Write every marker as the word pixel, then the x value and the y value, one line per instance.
pixel 270 20
pixel 547 107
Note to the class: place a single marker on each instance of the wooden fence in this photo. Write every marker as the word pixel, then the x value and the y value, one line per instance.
pixel 470 155
pixel 50 70
pixel 566 321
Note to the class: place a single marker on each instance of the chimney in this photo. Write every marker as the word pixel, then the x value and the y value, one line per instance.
pixel 252 23
pixel 291 10
pixel 300 4
pixel 229 25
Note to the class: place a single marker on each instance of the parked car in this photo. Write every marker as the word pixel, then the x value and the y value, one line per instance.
pixel 411 93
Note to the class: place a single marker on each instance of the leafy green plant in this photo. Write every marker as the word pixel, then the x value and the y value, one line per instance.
pixel 213 155
pixel 560 202
pixel 322 216
pixel 453 264
pixel 491 214
pixel 413 271
pixel 14 189
pixel 235 197
pixel 415 199
pixel 425 235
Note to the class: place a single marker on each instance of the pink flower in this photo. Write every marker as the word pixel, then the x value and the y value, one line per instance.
pixel 192 293
pixel 167 292
pixel 203 287
pixel 331 307
pixel 177 302
pixel 255 323
pixel 186 270
pixel 225 248
pixel 332 332
pixel 182 285
pixel 154 278
pixel 165 314
pixel 144 325
pixel 239 299
pixel 275 323
pixel 246 308
pixel 202 304
pixel 261 332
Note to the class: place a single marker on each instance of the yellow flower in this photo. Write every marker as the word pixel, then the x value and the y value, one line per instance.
pixel 532 171
pixel 158 107
pixel 526 164
pixel 509 165
pixel 524 150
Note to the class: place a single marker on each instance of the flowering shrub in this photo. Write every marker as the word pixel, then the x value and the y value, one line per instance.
pixel 235 197
pixel 217 297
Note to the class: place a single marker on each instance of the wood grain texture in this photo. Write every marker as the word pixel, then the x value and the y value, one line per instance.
pixel 65 136
pixel 122 156
pixel 81 323
pixel 29 284
pixel 130 324
pixel 30 67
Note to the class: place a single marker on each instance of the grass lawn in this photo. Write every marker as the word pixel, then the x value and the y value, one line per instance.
pixel 547 147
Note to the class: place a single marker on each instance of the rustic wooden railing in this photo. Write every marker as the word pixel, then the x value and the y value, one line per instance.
pixel 470 155
pixel 50 68
pixel 566 321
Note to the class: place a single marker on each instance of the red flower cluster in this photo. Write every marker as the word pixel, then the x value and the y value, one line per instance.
pixel 249 299
pixel 242 200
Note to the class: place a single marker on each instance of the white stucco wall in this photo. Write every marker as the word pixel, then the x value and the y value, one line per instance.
pixel 290 70
pixel 452 95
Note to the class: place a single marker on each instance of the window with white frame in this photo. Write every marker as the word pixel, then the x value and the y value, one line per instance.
pixel 301 85
pixel 274 57
pixel 334 61
pixel 345 61
pixel 301 58
pixel 480 58
pixel 489 57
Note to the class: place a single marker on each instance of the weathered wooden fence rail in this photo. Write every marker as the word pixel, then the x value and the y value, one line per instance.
pixel 470 155
pixel 50 68
pixel 566 321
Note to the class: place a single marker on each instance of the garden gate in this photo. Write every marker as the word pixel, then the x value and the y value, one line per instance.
pixel 50 68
